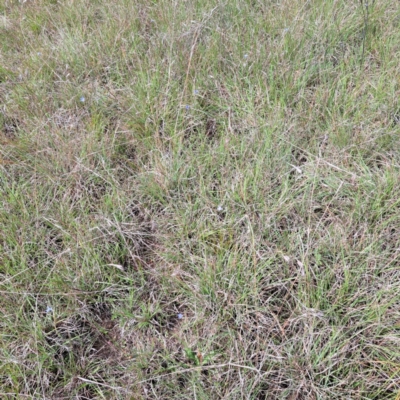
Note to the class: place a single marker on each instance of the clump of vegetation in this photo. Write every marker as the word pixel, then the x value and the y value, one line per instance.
pixel 199 200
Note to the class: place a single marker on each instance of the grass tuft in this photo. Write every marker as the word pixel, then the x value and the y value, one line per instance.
pixel 199 200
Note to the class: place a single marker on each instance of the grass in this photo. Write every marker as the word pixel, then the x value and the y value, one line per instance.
pixel 199 199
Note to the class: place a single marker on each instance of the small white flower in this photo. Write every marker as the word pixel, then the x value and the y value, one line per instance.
pixel 49 310
pixel 220 208
pixel 82 99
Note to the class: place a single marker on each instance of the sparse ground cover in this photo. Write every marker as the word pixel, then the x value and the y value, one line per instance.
pixel 199 199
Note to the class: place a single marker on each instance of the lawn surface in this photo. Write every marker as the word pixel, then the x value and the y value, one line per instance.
pixel 200 199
